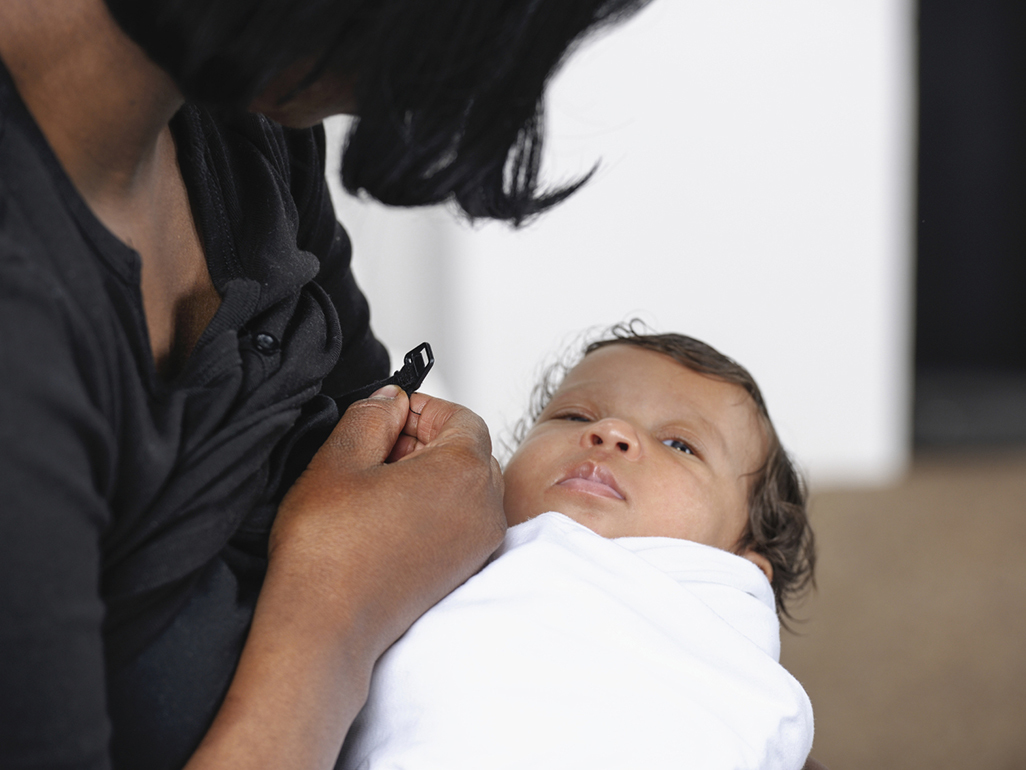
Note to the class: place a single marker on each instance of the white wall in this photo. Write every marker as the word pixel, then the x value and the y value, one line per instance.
pixel 755 191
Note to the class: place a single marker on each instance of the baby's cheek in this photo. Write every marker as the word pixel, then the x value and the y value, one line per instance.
pixel 690 512
pixel 515 500
pixel 530 474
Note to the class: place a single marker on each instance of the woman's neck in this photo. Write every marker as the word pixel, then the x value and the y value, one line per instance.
pixel 104 107
pixel 99 100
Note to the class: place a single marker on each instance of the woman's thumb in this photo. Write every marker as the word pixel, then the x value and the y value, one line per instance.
pixel 365 435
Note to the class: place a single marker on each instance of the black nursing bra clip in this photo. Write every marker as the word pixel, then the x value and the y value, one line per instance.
pixel 416 365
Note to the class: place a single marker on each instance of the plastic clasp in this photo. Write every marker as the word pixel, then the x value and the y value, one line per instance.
pixel 416 365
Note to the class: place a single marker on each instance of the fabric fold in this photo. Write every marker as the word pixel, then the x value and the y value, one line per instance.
pixel 572 651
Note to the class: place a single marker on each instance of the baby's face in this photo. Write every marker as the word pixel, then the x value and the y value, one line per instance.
pixel 633 443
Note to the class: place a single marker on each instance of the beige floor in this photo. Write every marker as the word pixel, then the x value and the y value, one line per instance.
pixel 914 647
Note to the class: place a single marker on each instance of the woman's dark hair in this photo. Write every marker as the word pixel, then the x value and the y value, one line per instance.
pixel 778 525
pixel 449 92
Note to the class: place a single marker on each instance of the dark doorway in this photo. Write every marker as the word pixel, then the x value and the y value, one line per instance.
pixel 971 272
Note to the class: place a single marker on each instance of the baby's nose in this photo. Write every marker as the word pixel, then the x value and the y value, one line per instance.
pixel 614 433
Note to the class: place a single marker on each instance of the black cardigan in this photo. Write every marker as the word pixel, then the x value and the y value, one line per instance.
pixel 134 512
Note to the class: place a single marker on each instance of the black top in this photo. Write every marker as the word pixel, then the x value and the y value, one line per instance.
pixel 134 512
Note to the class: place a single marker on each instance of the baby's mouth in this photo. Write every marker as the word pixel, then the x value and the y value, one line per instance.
pixel 592 479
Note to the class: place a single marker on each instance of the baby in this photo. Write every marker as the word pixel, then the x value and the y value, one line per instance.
pixel 629 620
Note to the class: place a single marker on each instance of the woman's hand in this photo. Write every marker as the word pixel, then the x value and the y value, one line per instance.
pixel 395 510
pixel 400 505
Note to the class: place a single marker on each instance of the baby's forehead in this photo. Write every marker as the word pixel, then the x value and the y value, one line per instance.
pixel 648 372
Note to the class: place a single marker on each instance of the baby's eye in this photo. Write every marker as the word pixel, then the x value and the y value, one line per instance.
pixel 573 417
pixel 680 446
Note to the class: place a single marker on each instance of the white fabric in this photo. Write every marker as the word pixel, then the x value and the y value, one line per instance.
pixel 572 651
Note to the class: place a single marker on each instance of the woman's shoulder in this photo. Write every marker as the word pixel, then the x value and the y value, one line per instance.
pixel 54 280
pixel 39 280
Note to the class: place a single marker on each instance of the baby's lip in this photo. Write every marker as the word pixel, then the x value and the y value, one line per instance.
pixel 592 479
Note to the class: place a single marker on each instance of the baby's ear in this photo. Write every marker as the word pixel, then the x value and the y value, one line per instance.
pixel 761 562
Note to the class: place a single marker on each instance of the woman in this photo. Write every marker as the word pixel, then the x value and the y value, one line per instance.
pixel 178 332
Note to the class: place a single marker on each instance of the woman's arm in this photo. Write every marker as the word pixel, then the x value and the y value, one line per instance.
pixel 360 549
pixel 54 453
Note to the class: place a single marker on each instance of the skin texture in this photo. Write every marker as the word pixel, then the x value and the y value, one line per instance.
pixel 331 94
pixel 634 444
pixel 104 108
pixel 394 511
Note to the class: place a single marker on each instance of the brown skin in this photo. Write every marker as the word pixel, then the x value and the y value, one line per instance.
pixel 104 107
pixel 331 94
pixel 361 546
pixel 632 443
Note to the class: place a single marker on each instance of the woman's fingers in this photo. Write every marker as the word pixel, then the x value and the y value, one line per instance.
pixel 367 432
pixel 394 511
pixel 432 421
pixel 404 445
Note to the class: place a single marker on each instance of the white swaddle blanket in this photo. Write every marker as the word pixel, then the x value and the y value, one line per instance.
pixel 572 651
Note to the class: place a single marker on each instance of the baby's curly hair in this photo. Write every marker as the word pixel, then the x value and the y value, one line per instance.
pixel 778 524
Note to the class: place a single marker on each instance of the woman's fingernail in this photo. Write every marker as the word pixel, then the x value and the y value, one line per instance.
pixel 389 392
